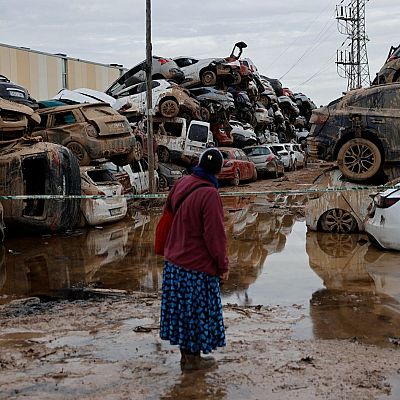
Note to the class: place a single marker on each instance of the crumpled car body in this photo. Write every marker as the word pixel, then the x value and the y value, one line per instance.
pixel 83 95
pixel 168 174
pixel 390 71
pixel 98 180
pixel 243 135
pixel 16 120
pixel 13 92
pixel 169 99
pixel 360 131
pixel 29 167
pixel 90 131
pixel 162 68
pixel 207 71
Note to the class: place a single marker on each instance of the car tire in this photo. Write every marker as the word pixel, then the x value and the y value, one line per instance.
pixel 138 150
pixel 237 78
pixel 295 165
pixel 169 108
pixel 254 177
pixel 163 154
pixel 123 159
pixel 275 174
pixel 208 78
pixel 162 183
pixel 236 180
pixel 338 220
pixel 205 114
pixel 79 152
pixel 359 159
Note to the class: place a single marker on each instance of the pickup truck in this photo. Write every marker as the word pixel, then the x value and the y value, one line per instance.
pixel 177 139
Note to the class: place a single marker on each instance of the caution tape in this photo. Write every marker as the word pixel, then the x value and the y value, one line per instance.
pixel 154 196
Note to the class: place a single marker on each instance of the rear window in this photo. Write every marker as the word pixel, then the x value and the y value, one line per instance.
pixel 257 151
pixel 226 155
pixel 279 148
pixel 98 111
pixel 100 176
pixel 198 133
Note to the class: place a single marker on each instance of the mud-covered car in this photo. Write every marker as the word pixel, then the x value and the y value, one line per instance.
pixel 390 71
pixel 360 131
pixel 162 68
pixel 265 160
pixel 97 180
pixel 13 92
pixel 169 99
pixel 168 174
pixel 243 134
pixel 90 131
pixel 16 121
pixel 30 168
pixel 207 71
pixel 2 226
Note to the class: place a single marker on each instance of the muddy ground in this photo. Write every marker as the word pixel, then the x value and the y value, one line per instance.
pixel 105 345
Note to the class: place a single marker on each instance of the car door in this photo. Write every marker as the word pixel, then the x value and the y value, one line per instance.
pixel 63 127
pixel 241 164
pixel 198 138
pixel 248 164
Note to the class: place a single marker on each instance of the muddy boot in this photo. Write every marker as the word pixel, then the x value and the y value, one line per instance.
pixel 194 361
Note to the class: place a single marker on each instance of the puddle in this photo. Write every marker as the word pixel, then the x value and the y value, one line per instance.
pixel 347 288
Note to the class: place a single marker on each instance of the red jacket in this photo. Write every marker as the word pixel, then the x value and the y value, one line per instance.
pixel 197 239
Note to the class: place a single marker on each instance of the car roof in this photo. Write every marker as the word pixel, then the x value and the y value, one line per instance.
pixel 56 108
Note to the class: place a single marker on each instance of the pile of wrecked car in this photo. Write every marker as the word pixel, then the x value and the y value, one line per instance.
pixel 94 144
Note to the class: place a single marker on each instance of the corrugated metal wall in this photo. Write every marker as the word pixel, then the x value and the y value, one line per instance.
pixel 42 74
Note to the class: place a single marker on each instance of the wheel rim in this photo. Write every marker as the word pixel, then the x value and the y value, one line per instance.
pixel 338 221
pixel 168 108
pixel 208 78
pixel 163 183
pixel 359 159
pixel 138 151
pixel 237 179
pixel 78 151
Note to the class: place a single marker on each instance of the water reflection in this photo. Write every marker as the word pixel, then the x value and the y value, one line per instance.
pixel 361 292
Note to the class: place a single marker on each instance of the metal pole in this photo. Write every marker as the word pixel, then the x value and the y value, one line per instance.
pixel 149 97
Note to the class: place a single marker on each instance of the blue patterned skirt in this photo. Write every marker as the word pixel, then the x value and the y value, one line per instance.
pixel 191 310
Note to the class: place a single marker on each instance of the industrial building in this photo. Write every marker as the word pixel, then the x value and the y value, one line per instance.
pixel 44 74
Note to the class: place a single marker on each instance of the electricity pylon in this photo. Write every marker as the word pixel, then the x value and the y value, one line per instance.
pixel 353 63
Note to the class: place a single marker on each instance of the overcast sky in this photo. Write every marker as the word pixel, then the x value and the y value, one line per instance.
pixel 293 40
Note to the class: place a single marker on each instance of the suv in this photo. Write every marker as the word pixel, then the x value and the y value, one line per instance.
pixel 90 131
pixel 390 72
pixel 13 92
pixel 359 130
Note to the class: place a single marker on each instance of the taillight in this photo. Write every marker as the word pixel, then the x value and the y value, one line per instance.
pixel 385 202
pixel 163 61
pixel 270 157
pixel 91 130
pixel 391 58
pixel 228 164
pixel 260 109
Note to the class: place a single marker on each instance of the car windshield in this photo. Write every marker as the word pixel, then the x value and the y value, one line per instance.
pixel 279 148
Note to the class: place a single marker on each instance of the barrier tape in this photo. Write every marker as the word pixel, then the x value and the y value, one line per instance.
pixel 153 196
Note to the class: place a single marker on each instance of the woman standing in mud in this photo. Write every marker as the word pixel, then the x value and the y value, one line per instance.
pixel 195 262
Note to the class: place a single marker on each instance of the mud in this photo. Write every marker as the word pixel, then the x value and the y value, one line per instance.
pixel 308 315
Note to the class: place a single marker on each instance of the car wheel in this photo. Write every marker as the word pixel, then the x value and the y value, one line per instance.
pixel 359 159
pixel 80 153
pixel 163 154
pixel 295 165
pixel 338 221
pixel 275 174
pixel 138 150
pixel 237 78
pixel 205 114
pixel 123 159
pixel 169 108
pixel 254 177
pixel 208 78
pixel 236 180
pixel 162 183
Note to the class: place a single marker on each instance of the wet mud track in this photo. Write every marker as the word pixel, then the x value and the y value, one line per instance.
pixel 308 315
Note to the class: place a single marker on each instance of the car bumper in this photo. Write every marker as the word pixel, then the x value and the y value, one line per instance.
pixel 102 147
pixel 226 173
pixel 101 211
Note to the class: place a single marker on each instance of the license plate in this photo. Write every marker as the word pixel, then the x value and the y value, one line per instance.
pixel 117 126
pixel 115 211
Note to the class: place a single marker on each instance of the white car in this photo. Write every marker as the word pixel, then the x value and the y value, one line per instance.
pixel 285 156
pixel 383 221
pixel 297 154
pixel 207 70
pixel 138 172
pixel 167 97
pixel 99 181
pixel 84 95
